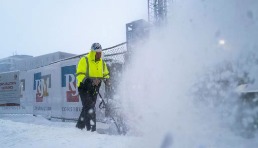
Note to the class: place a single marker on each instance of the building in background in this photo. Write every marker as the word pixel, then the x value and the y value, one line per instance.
pixel 7 64
pixel 27 62
pixel 137 33
pixel 39 61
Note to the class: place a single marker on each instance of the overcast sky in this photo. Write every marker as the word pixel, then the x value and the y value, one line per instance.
pixel 36 27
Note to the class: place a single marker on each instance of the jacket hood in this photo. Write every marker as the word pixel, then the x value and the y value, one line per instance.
pixel 92 55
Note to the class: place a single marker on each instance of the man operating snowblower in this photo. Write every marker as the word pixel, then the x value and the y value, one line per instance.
pixel 91 70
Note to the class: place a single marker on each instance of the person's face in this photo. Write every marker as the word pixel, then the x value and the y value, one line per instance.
pixel 98 56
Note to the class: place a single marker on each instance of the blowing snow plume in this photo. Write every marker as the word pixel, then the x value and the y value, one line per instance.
pixel 162 89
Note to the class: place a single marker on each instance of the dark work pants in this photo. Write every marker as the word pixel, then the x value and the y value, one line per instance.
pixel 88 99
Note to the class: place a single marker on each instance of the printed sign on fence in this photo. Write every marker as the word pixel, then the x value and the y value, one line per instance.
pixel 9 88
pixel 22 87
pixel 41 85
pixel 69 83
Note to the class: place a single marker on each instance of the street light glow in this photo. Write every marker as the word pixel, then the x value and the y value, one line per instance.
pixel 222 42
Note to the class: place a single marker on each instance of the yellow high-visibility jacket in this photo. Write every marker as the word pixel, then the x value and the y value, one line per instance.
pixel 89 68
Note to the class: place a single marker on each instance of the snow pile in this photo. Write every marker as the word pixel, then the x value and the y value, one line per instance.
pixel 157 87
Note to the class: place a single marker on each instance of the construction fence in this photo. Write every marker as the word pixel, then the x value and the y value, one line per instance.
pixel 51 90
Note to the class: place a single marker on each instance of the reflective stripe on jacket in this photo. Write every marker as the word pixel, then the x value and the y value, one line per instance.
pixel 89 68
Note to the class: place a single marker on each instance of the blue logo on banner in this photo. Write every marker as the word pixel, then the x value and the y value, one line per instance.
pixel 41 85
pixel 69 82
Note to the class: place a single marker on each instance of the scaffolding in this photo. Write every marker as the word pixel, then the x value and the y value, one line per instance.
pixel 157 11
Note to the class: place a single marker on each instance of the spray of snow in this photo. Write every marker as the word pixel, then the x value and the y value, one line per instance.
pixel 155 89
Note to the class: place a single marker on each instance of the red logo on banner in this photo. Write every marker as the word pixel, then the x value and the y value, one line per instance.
pixel 69 83
pixel 72 95
pixel 71 89
pixel 39 97
pixel 41 89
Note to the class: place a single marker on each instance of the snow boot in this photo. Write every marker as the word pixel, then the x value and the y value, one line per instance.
pixel 80 124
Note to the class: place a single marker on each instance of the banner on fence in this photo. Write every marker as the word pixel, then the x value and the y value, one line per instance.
pixel 9 88
pixel 49 90
pixel 71 104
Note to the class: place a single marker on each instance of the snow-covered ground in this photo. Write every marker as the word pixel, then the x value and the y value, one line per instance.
pixel 155 90
pixel 27 131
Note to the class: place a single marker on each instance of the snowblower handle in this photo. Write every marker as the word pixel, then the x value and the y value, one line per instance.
pixel 102 104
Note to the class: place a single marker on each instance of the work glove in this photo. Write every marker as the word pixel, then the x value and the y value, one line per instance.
pixel 95 82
